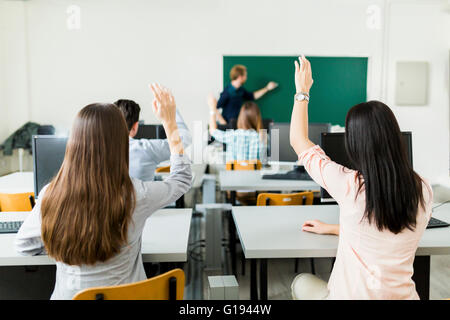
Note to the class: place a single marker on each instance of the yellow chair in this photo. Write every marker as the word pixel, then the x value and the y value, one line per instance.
pixel 167 286
pixel 288 199
pixel 285 199
pixel 244 165
pixel 16 201
pixel 162 169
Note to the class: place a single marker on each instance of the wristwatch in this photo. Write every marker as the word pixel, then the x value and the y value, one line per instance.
pixel 301 96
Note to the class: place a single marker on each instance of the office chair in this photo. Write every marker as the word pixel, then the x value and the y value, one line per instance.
pixel 288 199
pixel 167 286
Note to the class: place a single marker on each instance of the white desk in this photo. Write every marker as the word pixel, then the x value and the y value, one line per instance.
pixel 252 180
pixel 18 182
pixel 275 232
pixel 164 239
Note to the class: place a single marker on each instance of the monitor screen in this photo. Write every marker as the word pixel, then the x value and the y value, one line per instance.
pixel 333 144
pixel 48 156
pixel 286 153
pixel 147 131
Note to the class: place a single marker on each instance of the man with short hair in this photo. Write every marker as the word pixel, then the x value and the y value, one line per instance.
pixel 234 95
pixel 146 154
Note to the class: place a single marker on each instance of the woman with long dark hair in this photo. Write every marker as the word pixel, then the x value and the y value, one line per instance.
pixel 384 205
pixel 91 216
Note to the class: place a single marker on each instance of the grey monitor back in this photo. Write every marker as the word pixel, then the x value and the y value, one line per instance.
pixel 286 153
pixel 48 156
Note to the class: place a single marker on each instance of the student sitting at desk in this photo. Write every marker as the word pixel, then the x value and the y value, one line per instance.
pixel 384 205
pixel 146 154
pixel 247 142
pixel 91 216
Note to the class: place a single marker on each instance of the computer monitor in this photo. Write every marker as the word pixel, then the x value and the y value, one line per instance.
pixel 161 132
pixel 333 144
pixel 286 153
pixel 147 131
pixel 315 130
pixel 48 156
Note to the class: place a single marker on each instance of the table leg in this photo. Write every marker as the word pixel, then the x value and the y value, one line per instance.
pixel 180 202
pixel 263 279
pixel 233 198
pixel 253 280
pixel 232 242
pixel 421 276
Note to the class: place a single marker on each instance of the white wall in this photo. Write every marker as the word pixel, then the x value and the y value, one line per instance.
pixel 124 45
pixel 15 108
pixel 421 32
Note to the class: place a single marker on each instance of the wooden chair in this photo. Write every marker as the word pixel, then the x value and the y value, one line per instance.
pixel 167 286
pixel 288 199
pixel 162 169
pixel 16 201
pixel 244 165
pixel 246 198
pixel 285 199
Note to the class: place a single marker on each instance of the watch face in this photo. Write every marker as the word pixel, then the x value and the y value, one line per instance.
pixel 301 97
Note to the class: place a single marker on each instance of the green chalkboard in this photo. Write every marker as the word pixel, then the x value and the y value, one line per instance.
pixel 339 84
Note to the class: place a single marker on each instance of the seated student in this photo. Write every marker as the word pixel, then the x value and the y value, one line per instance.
pixel 384 205
pixel 146 154
pixel 247 142
pixel 91 216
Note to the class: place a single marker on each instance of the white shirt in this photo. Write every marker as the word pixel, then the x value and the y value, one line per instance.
pixel 146 154
pixel 126 266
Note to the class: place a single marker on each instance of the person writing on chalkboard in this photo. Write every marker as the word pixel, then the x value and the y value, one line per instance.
pixel 234 95
pixel 384 205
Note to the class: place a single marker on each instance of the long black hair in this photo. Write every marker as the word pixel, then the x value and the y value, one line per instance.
pixel 376 149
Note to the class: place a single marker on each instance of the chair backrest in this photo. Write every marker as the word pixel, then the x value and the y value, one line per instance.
pixel 16 201
pixel 167 286
pixel 244 165
pixel 285 199
pixel 162 169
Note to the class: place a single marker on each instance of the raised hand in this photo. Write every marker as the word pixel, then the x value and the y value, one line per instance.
pixel 164 105
pixel 303 75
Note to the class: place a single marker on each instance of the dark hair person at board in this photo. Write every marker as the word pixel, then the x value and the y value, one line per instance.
pixel 384 205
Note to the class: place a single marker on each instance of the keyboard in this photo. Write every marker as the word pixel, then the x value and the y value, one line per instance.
pixel 290 175
pixel 436 223
pixel 10 226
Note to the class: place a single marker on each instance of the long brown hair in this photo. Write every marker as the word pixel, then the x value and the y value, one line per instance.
pixel 87 207
pixel 249 117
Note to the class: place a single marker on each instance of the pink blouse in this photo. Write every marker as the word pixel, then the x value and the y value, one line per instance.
pixel 370 264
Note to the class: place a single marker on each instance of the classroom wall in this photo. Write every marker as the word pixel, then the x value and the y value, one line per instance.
pixel 124 45
pixel 426 31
